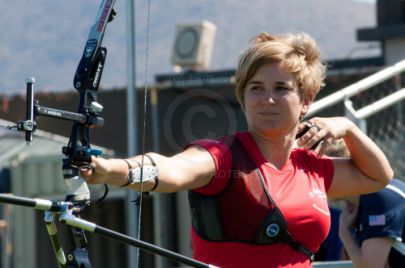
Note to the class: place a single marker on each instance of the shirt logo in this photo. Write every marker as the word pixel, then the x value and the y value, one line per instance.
pixel 376 220
pixel 317 193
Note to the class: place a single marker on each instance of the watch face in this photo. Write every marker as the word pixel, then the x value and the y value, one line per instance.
pixel 186 43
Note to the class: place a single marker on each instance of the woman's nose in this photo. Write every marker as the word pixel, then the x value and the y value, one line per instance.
pixel 269 96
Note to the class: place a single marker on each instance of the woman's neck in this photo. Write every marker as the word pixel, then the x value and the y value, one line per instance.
pixel 275 150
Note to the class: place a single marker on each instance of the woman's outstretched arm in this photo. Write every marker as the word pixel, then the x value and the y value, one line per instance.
pixel 190 169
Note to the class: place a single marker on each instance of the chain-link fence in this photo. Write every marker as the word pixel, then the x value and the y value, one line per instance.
pixel 387 126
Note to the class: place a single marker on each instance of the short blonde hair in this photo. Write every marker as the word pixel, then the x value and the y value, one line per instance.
pixel 298 53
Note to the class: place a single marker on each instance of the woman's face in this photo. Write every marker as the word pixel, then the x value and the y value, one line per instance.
pixel 272 102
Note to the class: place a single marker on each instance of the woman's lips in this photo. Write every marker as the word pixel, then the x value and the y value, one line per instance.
pixel 269 113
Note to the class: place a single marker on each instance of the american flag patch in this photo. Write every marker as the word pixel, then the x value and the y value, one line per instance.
pixel 376 220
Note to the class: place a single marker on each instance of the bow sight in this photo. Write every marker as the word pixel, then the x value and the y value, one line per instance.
pixel 86 81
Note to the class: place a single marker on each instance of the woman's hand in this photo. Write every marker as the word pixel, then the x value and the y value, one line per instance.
pixel 323 131
pixel 98 171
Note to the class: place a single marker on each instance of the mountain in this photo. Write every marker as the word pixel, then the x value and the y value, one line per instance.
pixel 45 39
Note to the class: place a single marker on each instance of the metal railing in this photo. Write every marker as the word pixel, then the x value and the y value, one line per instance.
pixel 362 85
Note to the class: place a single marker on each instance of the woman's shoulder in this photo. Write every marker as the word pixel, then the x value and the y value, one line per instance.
pixel 219 148
pixel 223 141
pixel 302 154
pixel 309 158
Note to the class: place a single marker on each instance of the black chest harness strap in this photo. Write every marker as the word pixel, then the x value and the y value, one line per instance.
pixel 274 228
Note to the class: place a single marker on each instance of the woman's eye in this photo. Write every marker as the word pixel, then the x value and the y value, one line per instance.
pixel 255 88
pixel 282 88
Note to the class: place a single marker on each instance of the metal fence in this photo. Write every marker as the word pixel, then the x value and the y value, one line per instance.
pixel 376 104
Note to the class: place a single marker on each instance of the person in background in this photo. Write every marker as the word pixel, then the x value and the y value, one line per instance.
pixel 255 199
pixel 372 226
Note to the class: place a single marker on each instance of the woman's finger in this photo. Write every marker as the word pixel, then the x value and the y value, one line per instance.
pixel 87 170
pixel 312 138
pixel 323 146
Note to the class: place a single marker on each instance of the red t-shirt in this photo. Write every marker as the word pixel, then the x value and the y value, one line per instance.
pixel 299 190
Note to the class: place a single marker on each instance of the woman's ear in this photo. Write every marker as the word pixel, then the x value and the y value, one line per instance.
pixel 306 103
